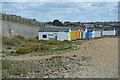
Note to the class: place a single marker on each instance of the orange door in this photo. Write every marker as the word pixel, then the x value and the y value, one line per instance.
pixel 78 35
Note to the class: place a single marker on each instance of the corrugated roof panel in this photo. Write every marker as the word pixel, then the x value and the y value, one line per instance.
pixel 54 29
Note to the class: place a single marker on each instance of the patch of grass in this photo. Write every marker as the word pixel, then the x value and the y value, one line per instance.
pixel 17 70
pixel 58 64
pixel 6 64
pixel 59 49
pixel 46 51
pixel 58 42
pixel 54 51
pixel 13 68
pixel 40 75
pixel 50 52
pixel 43 41
pixel 62 49
pixel 58 57
pixel 5 75
pixel 12 54
pixel 19 37
pixel 24 50
pixel 23 46
pixel 33 39
pixel 9 41
pixel 18 45
pixel 77 42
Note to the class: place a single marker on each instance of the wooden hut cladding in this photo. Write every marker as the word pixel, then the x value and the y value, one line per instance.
pixel 75 33
pixel 80 34
pixel 91 33
pixel 118 32
pixel 84 33
pixel 108 32
pixel 97 34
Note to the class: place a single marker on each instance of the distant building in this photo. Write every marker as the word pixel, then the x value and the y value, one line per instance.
pixel 48 23
pixel 67 23
pixel 89 25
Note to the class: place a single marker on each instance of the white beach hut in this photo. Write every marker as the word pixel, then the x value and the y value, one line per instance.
pixel 54 33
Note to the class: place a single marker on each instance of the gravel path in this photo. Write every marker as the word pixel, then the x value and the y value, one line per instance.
pixel 104 54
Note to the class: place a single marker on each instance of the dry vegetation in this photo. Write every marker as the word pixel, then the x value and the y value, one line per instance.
pixel 32 58
pixel 18 45
pixel 52 67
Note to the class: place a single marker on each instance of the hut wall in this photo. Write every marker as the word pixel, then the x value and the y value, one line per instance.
pixel 97 34
pixel 61 36
pixel 74 35
pixel 79 35
pixel 93 34
pixel 108 33
pixel 118 32
pixel 84 34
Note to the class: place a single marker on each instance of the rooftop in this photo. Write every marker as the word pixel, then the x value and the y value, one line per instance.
pixel 54 29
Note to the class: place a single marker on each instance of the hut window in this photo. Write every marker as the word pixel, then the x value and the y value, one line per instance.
pixel 44 36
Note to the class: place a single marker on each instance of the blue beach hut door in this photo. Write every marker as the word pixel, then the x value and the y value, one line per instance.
pixel 89 34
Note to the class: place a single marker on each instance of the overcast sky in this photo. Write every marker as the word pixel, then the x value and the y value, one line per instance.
pixel 64 11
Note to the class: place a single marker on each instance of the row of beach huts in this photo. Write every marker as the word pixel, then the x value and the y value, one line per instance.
pixel 54 33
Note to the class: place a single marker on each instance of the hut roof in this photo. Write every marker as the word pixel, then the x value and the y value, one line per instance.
pixel 54 29
pixel 75 28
